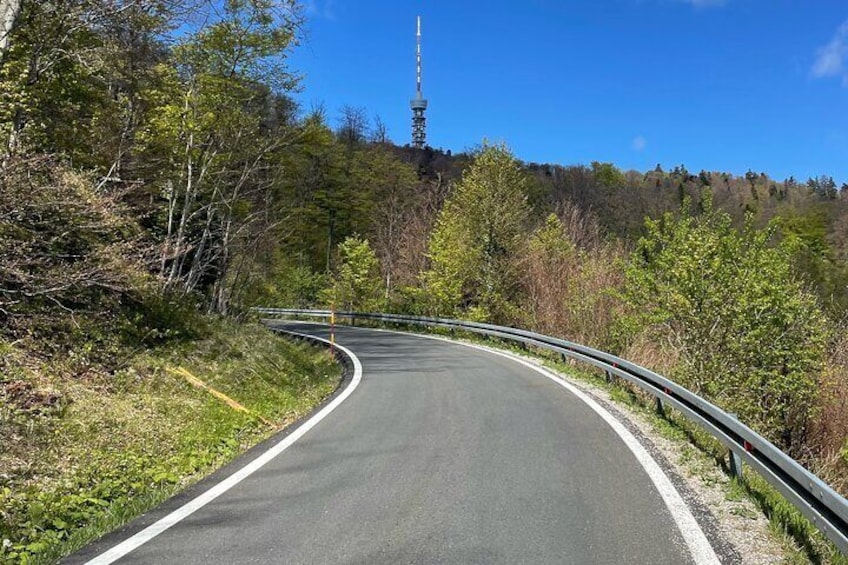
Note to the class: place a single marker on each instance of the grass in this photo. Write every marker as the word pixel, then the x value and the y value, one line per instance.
pixel 88 454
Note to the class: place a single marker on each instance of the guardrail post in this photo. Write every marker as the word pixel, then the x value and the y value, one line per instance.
pixel 608 376
pixel 735 461
pixel 658 406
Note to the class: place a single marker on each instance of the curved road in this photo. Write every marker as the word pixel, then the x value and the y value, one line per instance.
pixel 443 454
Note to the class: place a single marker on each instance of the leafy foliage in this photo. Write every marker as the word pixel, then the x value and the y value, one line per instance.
pixel 570 278
pixel 477 237
pixel 356 284
pixel 719 295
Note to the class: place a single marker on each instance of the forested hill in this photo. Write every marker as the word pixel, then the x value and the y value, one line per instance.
pixel 812 213
pixel 181 164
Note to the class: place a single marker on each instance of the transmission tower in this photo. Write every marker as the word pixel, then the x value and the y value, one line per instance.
pixel 418 104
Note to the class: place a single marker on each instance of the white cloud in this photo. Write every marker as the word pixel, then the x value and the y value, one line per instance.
pixel 832 58
pixel 639 143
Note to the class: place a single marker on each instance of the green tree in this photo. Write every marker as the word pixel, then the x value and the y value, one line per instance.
pixel 47 83
pixel 212 145
pixel 396 195
pixel 475 243
pixel 333 183
pixel 750 336
pixel 814 257
pixel 356 283
pixel 608 175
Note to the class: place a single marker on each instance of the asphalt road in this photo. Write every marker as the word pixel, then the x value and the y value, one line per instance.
pixel 443 454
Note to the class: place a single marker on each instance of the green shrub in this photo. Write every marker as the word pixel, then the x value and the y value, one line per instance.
pixel 356 284
pixel 750 336
pixel 284 282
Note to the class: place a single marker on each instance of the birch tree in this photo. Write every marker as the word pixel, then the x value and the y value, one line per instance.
pixel 209 131
pixel 8 14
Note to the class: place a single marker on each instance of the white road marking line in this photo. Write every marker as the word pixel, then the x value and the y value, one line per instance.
pixel 699 546
pixel 202 500
pixel 696 540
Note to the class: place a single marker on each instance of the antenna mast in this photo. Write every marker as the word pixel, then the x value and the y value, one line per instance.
pixel 418 104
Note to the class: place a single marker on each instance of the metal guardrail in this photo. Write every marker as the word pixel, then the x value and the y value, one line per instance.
pixel 822 505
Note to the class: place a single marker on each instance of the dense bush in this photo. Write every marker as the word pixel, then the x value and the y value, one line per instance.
pixel 74 274
pixel 750 336
pixel 571 279
pixel 356 284
pixel 69 253
pixel 157 315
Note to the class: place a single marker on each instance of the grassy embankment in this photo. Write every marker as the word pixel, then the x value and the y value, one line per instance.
pixel 83 455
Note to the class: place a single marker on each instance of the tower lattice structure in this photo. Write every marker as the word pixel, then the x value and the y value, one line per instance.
pixel 419 103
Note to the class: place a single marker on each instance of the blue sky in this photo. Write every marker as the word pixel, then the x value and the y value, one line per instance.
pixel 726 85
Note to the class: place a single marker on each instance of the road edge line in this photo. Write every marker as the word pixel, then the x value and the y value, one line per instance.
pixel 696 540
pixel 120 550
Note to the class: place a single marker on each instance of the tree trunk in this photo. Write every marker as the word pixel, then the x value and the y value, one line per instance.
pixel 9 10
